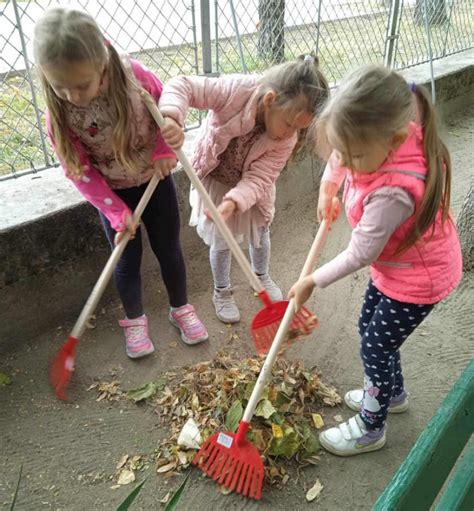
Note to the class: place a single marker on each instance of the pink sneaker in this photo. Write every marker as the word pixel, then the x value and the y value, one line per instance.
pixel 191 327
pixel 138 343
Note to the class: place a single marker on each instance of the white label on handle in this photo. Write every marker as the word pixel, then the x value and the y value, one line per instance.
pixel 225 440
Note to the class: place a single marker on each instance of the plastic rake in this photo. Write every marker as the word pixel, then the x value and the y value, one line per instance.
pixel 62 365
pixel 265 323
pixel 230 459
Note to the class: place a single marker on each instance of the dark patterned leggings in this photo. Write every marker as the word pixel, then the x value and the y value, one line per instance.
pixel 384 325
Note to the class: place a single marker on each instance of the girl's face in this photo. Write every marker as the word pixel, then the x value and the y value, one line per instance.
pixel 282 122
pixel 361 157
pixel 77 82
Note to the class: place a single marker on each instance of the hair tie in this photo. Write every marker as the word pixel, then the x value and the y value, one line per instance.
pixel 107 42
pixel 309 58
pixel 413 87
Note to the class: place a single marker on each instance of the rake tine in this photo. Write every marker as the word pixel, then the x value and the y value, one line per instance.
pixel 231 476
pixel 242 477
pixel 224 469
pixel 248 480
pixel 217 465
pixel 212 455
pixel 236 477
pixel 257 487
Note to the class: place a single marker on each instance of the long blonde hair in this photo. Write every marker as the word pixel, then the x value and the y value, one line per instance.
pixel 67 35
pixel 373 104
pixel 301 79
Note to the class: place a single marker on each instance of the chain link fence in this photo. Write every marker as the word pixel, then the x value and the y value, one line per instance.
pixel 223 36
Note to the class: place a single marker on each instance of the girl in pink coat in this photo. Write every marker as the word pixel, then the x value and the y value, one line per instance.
pixel 397 172
pixel 254 125
pixel 110 147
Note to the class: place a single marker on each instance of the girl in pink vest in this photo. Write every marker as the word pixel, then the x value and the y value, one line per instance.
pixel 254 125
pixel 386 146
pixel 109 147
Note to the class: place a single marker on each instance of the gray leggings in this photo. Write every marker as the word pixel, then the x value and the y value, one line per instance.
pixel 259 257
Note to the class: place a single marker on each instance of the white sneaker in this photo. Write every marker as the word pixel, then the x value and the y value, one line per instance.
pixel 226 308
pixel 352 437
pixel 274 292
pixel 398 404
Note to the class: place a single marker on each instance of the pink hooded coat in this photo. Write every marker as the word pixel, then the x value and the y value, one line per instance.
pixel 232 101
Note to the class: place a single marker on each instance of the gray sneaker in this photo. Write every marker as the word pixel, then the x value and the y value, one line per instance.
pixel 226 308
pixel 274 292
pixel 398 404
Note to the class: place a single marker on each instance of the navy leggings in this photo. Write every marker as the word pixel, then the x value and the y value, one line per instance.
pixel 384 325
pixel 161 219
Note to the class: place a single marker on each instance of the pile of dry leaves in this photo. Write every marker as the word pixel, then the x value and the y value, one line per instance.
pixel 214 394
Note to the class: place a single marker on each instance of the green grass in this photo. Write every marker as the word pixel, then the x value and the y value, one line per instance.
pixel 343 45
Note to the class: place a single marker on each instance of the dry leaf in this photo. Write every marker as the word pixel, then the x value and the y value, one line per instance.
pixel 126 476
pixel 317 420
pixel 165 499
pixel 224 490
pixel 166 468
pixel 314 491
pixel 338 418
pixel 183 459
pixel 122 461
pixel 277 432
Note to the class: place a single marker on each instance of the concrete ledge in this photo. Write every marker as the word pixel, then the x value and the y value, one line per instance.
pixel 53 248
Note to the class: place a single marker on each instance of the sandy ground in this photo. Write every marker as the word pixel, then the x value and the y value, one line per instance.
pixel 70 450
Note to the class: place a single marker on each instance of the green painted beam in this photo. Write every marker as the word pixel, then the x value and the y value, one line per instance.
pixel 420 477
pixel 459 493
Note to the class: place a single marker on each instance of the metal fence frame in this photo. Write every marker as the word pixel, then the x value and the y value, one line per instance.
pixel 224 36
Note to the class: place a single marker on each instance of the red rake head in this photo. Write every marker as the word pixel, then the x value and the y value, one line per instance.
pixel 62 367
pixel 266 322
pixel 232 462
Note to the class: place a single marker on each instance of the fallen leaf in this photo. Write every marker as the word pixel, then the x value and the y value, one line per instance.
pixel 143 392
pixel 126 476
pixel 4 379
pixel 90 323
pixel 233 416
pixel 165 499
pixel 277 432
pixel 166 468
pixel 122 461
pixel 317 420
pixel 224 490
pixel 314 491
pixel 264 409
pixel 338 418
pixel 183 459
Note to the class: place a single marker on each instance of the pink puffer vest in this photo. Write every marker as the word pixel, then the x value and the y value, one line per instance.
pixel 429 270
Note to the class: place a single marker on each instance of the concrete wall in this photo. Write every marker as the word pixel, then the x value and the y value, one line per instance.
pixel 52 246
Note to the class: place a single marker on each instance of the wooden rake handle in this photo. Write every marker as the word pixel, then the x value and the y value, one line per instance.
pixel 196 182
pixel 104 278
pixel 282 331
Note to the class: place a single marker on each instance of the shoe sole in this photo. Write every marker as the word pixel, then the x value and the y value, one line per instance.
pixel 183 337
pixel 369 448
pixel 140 354
pixel 391 409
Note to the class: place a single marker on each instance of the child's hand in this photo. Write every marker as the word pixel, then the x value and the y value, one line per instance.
pixel 129 227
pixel 226 209
pixel 164 167
pixel 301 291
pixel 328 201
pixel 172 133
